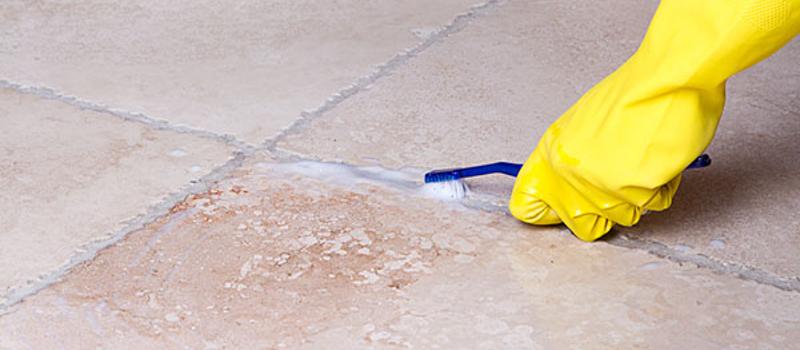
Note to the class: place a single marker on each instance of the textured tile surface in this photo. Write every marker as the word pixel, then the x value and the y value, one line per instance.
pixel 484 94
pixel 247 69
pixel 69 177
pixel 272 259
pixel 319 255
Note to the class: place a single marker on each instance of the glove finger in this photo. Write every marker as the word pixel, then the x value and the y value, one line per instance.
pixel 589 227
pixel 528 208
pixel 622 213
pixel 662 199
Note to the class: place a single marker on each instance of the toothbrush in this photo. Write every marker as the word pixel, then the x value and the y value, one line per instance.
pixel 512 169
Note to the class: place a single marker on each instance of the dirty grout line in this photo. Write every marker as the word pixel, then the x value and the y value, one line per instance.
pixel 88 251
pixel 741 271
pixel 137 117
pixel 383 70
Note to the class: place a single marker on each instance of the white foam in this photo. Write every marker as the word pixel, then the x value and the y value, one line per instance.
pixel 178 153
pixel 682 248
pixel 652 265
pixel 448 190
pixel 407 180
pixel 717 243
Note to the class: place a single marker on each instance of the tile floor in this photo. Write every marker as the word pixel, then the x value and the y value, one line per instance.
pixel 214 176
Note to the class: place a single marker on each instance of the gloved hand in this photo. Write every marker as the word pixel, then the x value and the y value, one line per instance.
pixel 621 148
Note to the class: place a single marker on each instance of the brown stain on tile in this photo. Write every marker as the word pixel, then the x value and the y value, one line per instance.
pixel 256 262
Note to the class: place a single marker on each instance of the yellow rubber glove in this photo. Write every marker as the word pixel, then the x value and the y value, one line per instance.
pixel 621 148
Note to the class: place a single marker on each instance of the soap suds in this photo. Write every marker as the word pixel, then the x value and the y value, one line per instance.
pixel 178 152
pixel 448 190
pixel 407 180
pixel 716 244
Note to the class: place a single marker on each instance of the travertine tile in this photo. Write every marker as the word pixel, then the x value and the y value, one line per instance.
pixel 271 258
pixel 247 69
pixel 486 93
pixel 69 177
pixel 490 91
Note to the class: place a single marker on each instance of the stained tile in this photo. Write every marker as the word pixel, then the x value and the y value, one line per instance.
pixel 273 258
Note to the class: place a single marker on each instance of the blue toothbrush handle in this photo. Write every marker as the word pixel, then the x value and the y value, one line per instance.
pixel 701 162
pixel 512 169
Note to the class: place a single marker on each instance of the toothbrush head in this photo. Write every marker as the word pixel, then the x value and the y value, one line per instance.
pixel 447 190
pixel 442 175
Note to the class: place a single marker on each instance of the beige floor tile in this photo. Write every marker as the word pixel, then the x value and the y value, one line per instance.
pixel 71 177
pixel 247 69
pixel 486 93
pixel 271 258
pixel 489 92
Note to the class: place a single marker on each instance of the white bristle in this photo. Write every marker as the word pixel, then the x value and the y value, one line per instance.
pixel 449 190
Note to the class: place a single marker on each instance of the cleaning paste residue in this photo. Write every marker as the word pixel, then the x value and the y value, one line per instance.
pixel 178 153
pixel 406 180
pixel 448 190
pixel 717 243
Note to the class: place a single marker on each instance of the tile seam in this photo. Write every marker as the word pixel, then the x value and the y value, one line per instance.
pixel 385 69
pixel 48 93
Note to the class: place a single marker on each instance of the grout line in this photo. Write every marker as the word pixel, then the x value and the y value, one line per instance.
pixel 88 251
pixel 741 271
pixel 137 117
pixel 365 82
